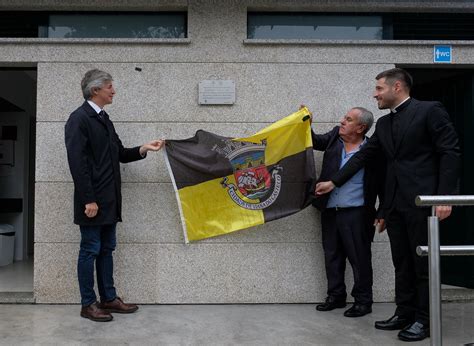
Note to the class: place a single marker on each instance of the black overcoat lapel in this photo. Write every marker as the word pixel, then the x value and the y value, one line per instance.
pixel 385 134
pixel 405 122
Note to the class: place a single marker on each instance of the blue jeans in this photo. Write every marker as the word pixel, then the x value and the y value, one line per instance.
pixel 97 245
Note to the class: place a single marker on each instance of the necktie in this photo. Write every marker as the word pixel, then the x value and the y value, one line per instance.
pixel 101 115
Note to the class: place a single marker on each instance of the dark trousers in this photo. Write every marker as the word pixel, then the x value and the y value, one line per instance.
pixel 407 228
pixel 346 235
pixel 97 245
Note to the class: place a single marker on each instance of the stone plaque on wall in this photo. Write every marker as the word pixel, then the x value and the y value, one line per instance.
pixel 217 92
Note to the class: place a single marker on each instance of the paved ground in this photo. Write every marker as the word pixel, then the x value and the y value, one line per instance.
pixel 289 324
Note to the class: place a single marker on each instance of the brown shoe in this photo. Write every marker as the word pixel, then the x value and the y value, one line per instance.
pixel 118 306
pixel 94 313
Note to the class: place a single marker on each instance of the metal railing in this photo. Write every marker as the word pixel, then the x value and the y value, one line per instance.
pixel 434 250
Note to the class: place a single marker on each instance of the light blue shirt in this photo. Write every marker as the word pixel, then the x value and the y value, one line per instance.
pixel 351 194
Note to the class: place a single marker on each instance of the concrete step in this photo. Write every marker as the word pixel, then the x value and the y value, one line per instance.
pixel 454 293
pixel 17 298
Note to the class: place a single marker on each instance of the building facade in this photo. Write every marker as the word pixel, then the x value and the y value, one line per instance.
pixel 156 80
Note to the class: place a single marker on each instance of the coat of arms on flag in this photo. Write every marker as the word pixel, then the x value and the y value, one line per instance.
pixel 253 178
pixel 226 184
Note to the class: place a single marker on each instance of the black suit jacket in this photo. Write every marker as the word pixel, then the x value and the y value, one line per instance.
pixel 424 161
pixel 374 173
pixel 94 151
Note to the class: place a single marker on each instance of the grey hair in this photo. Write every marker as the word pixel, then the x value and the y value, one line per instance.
pixel 365 117
pixel 94 79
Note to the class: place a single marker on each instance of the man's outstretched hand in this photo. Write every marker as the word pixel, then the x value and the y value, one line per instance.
pixel 152 146
pixel 324 187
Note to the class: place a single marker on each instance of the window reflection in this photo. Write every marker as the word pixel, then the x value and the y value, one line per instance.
pixel 163 25
pixel 314 26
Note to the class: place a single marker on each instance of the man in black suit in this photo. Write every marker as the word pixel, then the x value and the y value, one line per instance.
pixel 94 153
pixel 422 155
pixel 348 214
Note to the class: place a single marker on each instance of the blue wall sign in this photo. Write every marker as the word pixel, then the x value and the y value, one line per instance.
pixel 442 54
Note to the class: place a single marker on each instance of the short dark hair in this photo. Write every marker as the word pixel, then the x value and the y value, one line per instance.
pixel 394 74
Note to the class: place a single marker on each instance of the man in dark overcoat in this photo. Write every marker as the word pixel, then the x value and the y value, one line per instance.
pixel 94 152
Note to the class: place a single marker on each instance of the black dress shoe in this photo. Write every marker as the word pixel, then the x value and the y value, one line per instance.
pixel 331 303
pixel 414 332
pixel 358 310
pixel 393 323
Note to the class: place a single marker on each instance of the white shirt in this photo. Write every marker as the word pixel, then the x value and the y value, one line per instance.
pixel 93 105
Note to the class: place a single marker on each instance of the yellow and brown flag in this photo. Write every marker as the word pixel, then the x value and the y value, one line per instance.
pixel 226 184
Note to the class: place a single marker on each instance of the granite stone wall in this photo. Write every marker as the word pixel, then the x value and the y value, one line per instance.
pixel 280 262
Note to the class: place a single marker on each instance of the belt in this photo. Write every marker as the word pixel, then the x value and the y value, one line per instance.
pixel 343 208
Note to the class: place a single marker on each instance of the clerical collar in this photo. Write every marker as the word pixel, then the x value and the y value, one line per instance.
pixel 399 108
